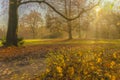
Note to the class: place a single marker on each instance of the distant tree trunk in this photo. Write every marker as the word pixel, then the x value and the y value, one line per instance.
pixel 79 29
pixel 69 30
pixel 79 32
pixel 11 38
pixel 33 34
pixel 69 22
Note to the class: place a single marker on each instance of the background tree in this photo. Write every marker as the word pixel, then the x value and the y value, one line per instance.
pixel 54 21
pixel 2 31
pixel 32 20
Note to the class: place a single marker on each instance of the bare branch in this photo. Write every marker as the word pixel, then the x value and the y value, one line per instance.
pixel 85 10
pixel 26 2
pixel 67 18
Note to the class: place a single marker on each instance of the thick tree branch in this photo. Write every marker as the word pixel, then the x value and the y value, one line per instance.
pixel 67 18
pixel 26 2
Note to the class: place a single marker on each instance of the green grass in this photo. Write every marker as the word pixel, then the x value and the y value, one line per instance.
pixel 63 41
pixel 116 41
pixel 74 41
pixel 0 43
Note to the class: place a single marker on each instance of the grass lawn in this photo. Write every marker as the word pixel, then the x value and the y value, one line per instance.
pixel 63 41
pixel 74 41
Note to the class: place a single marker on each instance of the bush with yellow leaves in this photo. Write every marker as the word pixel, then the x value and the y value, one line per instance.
pixel 68 64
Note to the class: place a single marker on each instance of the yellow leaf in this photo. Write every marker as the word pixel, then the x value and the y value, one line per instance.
pixel 59 69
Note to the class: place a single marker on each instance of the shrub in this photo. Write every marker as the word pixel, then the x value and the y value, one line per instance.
pixel 20 41
pixel 75 65
pixel 54 35
pixel 3 41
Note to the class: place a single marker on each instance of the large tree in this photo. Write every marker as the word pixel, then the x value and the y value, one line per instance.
pixel 11 38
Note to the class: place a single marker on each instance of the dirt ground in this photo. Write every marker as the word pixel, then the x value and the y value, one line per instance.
pixel 22 63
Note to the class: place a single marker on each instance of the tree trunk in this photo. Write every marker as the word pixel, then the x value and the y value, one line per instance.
pixel 69 30
pixel 79 32
pixel 11 38
pixel 69 22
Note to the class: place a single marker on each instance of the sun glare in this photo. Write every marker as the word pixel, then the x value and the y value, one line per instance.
pixel 97 9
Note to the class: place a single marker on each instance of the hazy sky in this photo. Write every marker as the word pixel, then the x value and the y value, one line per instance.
pixel 4 15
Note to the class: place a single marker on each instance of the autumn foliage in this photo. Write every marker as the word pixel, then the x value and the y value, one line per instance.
pixel 62 62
